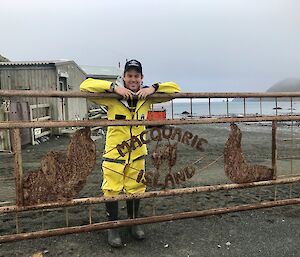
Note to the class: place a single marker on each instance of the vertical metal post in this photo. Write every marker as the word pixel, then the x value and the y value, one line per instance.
pixel 209 109
pixel 259 194
pixel 191 103
pixel 31 129
pixel 17 223
pixel 276 106
pixel 227 108
pixel 244 106
pixel 133 211
pixel 172 107
pixel 63 108
pixel 260 106
pixel 274 153
pixel 292 145
pixel 153 206
pixel 43 220
pixel 37 109
pixel 16 144
pixel 274 147
pixel 90 214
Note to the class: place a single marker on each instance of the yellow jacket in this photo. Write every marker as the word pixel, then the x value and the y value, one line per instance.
pixel 118 109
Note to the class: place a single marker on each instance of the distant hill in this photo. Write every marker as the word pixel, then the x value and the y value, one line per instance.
pixel 286 85
pixel 3 59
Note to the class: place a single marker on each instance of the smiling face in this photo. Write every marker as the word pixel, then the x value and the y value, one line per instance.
pixel 133 80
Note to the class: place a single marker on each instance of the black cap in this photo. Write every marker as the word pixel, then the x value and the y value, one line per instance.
pixel 133 64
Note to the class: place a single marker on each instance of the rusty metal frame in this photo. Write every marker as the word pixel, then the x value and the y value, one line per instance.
pixel 15 127
pixel 151 194
pixel 146 220
pixel 56 124
pixel 49 93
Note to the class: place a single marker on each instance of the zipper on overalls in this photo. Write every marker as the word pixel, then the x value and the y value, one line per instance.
pixel 130 130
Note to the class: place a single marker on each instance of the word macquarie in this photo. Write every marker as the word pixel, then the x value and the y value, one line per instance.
pixel 158 134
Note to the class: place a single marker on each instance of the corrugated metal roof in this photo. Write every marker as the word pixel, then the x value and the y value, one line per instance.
pixel 22 63
pixel 3 59
pixel 96 71
pixel 102 70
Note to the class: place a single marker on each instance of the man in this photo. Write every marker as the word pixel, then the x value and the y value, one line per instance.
pixel 122 165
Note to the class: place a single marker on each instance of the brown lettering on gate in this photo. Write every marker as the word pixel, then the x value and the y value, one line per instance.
pixel 171 179
pixel 157 134
pixel 166 154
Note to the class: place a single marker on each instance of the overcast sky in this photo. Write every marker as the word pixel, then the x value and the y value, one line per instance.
pixel 208 45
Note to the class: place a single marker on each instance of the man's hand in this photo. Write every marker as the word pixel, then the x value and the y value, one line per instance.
pixel 144 92
pixel 123 91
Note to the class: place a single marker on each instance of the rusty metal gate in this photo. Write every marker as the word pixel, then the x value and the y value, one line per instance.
pixel 268 188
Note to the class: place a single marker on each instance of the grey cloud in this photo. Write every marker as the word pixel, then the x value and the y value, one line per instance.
pixel 216 45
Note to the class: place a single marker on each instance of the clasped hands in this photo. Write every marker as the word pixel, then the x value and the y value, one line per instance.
pixel 128 94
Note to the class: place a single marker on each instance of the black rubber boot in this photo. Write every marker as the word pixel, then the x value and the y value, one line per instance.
pixel 133 210
pixel 114 238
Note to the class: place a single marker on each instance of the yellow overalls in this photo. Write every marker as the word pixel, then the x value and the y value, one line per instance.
pixel 120 171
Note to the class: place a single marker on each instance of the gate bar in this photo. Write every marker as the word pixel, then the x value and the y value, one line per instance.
pixel 151 194
pixel 53 93
pixel 90 123
pixel 146 220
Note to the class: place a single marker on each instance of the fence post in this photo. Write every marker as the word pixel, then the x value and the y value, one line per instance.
pixel 274 147
pixel 16 144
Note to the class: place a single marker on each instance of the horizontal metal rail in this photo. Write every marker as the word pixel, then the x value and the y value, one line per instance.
pixel 90 123
pixel 146 220
pixel 153 194
pixel 37 93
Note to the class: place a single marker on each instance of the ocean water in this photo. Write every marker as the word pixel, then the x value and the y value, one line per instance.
pixel 234 108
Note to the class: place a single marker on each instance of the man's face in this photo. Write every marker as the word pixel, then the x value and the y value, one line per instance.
pixel 133 80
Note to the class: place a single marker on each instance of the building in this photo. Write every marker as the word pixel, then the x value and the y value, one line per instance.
pixel 109 73
pixel 60 75
pixel 47 75
pixel 3 59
